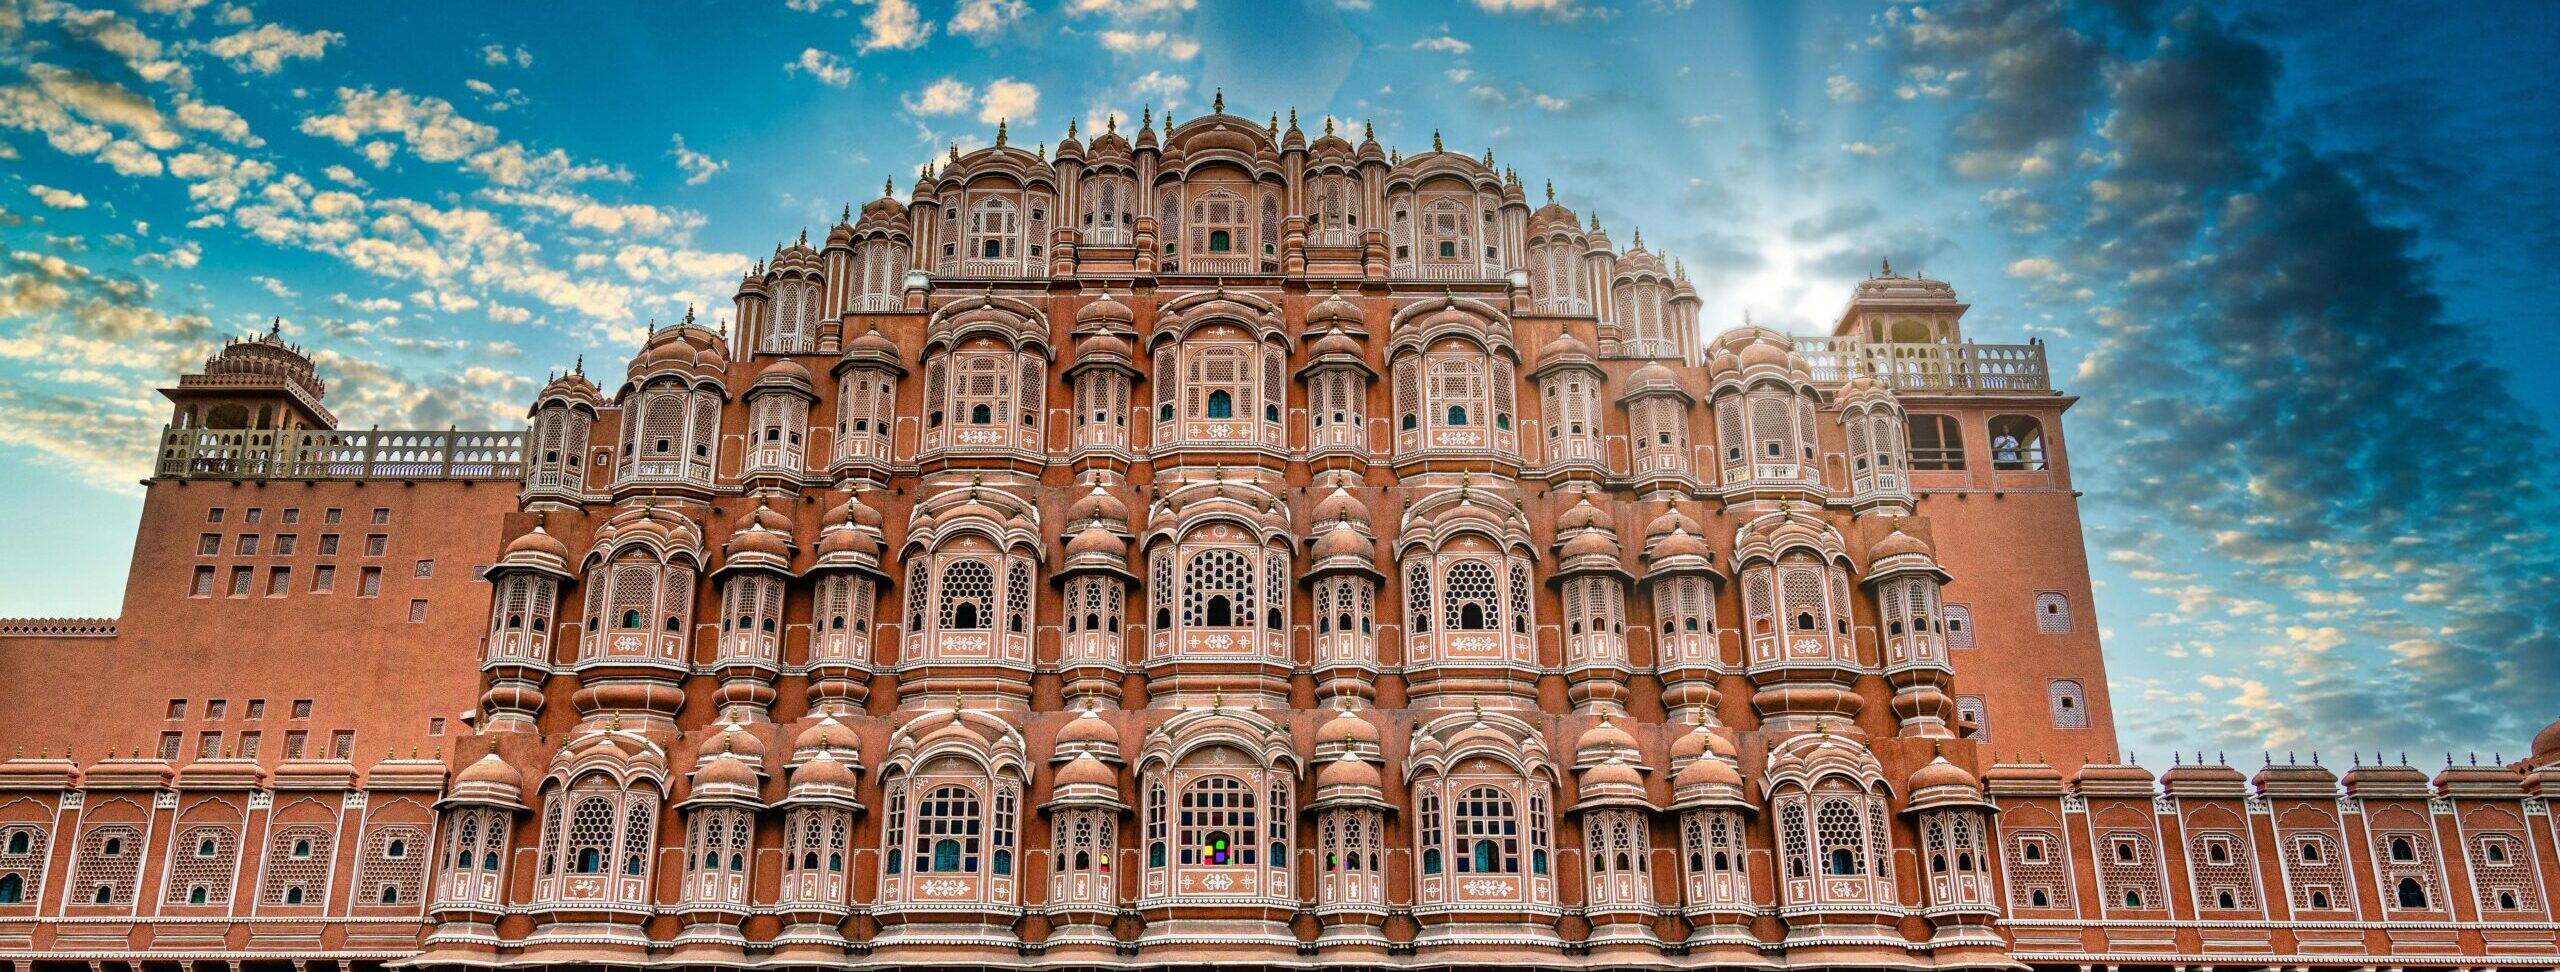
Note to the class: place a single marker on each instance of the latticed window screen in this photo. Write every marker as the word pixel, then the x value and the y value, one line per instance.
pixel 297 869
pixel 638 820
pixel 2504 882
pixel 22 853
pixel 916 596
pixel 1837 829
pixel 2315 867
pixel 1218 824
pixel 2037 865
pixel 110 858
pixel 394 866
pixel 2053 613
pixel 1795 840
pixel 2221 865
pixel 2129 871
pixel 201 863
pixel 1473 603
pixel 1217 589
pixel 1959 625
pixel 1417 595
pixel 1017 597
pixel 2070 704
pixel 968 596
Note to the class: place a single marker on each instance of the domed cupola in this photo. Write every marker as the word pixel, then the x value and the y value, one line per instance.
pixel 537 551
pixel 760 540
pixel 724 777
pixel 1941 785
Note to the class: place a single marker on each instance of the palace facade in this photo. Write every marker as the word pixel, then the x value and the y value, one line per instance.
pixel 1210 545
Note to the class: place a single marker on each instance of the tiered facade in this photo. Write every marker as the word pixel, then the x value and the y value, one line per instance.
pixel 1212 546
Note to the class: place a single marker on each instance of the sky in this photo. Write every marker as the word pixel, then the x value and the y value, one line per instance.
pixel 2291 259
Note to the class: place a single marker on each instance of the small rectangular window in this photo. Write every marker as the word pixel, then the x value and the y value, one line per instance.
pixel 215 710
pixel 292 515
pixel 248 745
pixel 324 579
pixel 375 544
pixel 381 515
pixel 208 745
pixel 332 515
pixel 370 585
pixel 417 610
pixel 1969 708
pixel 255 517
pixel 240 581
pixel 203 586
pixel 1959 626
pixel 257 709
pixel 209 545
pixel 169 744
pixel 426 568
pixel 248 545
pixel 2053 612
pixel 342 744
pixel 302 708
pixel 285 543
pixel 177 708
pixel 280 582
pixel 328 545
pixel 435 726
pixel 293 743
pixel 213 515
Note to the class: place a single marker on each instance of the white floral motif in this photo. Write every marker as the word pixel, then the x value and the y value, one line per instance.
pixel 943 888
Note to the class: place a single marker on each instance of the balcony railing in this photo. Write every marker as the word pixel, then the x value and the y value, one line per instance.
pixel 335 454
pixel 1929 367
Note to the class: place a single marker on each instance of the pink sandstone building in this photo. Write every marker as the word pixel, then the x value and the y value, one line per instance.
pixel 1214 545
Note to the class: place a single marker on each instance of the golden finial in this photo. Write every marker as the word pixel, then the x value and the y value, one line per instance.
pixel 1328 124
pixel 1435 140
pixel 1000 133
pixel 1218 105
pixel 1146 116
pixel 1272 128
pixel 1071 128
pixel 1111 124
pixel 1478 706
pixel 955 152
pixel 1639 238
pixel 1168 124
pixel 1293 118
pixel 1551 190
pixel 888 188
pixel 1488 157
pixel 1217 700
pixel 1368 131
pixel 613 722
pixel 1041 151
pixel 688 308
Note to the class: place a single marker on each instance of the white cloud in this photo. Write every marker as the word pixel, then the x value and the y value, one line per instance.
pixel 504 314
pixel 497 55
pixel 184 257
pixel 1130 42
pixel 1161 88
pixel 59 198
pixel 821 65
pixel 276 287
pixel 1007 98
pixel 1444 44
pixel 948 96
pixel 180 9
pixel 981 18
pixel 1130 9
pixel 1843 90
pixel 1871 150
pixel 219 120
pixel 1563 9
pixel 894 25
pixel 2033 268
pixel 698 168
pixel 264 49
pixel 1548 101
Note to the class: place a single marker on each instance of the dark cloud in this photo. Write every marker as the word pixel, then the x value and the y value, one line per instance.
pixel 2277 386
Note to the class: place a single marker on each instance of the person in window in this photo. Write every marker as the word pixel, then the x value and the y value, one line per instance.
pixel 2004 451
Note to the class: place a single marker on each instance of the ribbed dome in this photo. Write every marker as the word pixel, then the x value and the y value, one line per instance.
pixel 1334 342
pixel 1334 307
pixel 824 770
pixel 1940 772
pixel 724 769
pixel 1105 310
pixel 1086 770
pixel 1343 541
pixel 872 344
pixel 1088 729
pixel 1346 727
pixel 1098 504
pixel 1348 771
pixel 1604 738
pixel 1099 345
pixel 1095 541
pixel 1707 770
pixel 825 734
pixel 490 770
pixel 1899 544
pixel 537 543
pixel 1338 506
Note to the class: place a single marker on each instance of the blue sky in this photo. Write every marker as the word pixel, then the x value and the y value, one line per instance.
pixel 2294 260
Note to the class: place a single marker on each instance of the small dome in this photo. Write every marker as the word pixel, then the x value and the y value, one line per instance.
pixel 825 734
pixel 1615 772
pixel 1095 541
pixel 823 770
pixel 1102 311
pixel 1099 345
pixel 1654 373
pixel 1586 515
pixel 1899 544
pixel 756 540
pixel 1343 541
pixel 724 769
pixel 844 539
pixel 537 543
pixel 1336 342
pixel 1681 543
pixel 1691 744
pixel 1347 727
pixel 1604 738
pixel 1593 543
pixel 1939 772
pixel 784 371
pixel 1708 770
pixel 1089 729
pixel 1670 521
pixel 1339 506
pixel 490 770
pixel 1086 770
pixel 2546 744
pixel 1565 346
pixel 1334 307
pixel 1349 771
pixel 872 344
pixel 854 508
pixel 1098 504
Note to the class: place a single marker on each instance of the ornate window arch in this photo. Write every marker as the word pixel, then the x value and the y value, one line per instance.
pixel 954 787
pixel 1456 394
pixel 1484 816
pixel 597 841
pixel 985 394
pixel 791 326
pixel 1220 812
pixel 1110 200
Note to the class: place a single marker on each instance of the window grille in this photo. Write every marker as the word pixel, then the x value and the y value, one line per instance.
pixel 2070 704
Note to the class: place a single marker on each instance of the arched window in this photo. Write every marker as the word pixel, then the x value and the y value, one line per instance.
pixel 947 831
pixel 1470 592
pixel 1218 822
pixel 2402 850
pixel 2411 894
pixel 1488 832
pixel 1218 589
pixel 1221 405
pixel 2017 443
pixel 968 596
